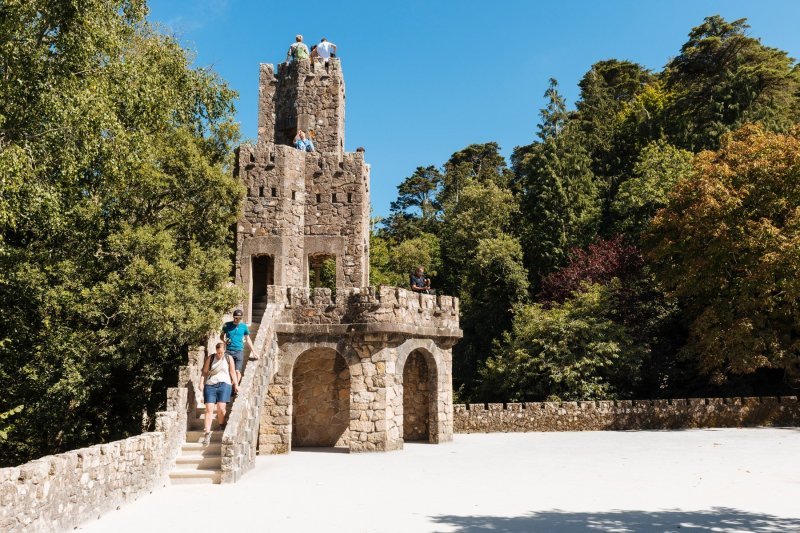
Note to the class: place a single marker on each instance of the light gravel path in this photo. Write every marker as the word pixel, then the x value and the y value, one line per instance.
pixel 695 480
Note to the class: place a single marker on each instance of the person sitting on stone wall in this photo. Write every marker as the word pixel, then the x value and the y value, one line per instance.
pixel 235 334
pixel 298 50
pixel 303 143
pixel 218 377
pixel 420 283
pixel 326 50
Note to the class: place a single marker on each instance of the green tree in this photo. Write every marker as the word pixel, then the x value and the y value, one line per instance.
pixel 477 163
pixel 568 351
pixel 606 89
pixel 559 196
pixel 659 167
pixel 724 78
pixel 728 246
pixel 115 209
pixel 419 192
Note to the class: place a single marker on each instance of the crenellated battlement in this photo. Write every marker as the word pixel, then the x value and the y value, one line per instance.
pixel 600 415
pixel 391 307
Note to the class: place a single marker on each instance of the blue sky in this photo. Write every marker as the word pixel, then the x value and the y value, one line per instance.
pixel 426 78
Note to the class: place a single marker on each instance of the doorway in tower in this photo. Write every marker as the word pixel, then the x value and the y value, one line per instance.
pixel 320 399
pixel 262 269
pixel 420 413
pixel 322 272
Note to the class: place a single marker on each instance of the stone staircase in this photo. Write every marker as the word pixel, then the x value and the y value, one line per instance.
pixel 203 464
pixel 197 463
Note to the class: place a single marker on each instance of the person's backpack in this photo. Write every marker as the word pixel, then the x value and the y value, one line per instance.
pixel 300 51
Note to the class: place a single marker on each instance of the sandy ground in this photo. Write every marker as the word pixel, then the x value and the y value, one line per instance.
pixel 696 480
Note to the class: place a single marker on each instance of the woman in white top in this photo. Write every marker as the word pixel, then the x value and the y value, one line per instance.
pixel 219 375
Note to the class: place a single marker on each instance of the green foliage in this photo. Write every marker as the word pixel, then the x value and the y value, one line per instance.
pixel 420 193
pixel 728 246
pixel 391 263
pixel 569 351
pixel 560 202
pixel 114 216
pixel 724 78
pixel 659 167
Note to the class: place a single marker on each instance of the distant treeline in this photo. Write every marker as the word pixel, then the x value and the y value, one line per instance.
pixel 645 244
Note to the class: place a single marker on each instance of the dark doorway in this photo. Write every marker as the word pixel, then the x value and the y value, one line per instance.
pixel 263 272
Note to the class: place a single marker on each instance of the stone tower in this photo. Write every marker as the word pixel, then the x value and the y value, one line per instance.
pixel 349 365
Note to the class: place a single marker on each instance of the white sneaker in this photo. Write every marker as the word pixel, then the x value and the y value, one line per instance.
pixel 207 438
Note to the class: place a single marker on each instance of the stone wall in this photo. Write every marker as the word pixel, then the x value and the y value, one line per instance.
pixel 61 491
pixel 627 414
pixel 309 96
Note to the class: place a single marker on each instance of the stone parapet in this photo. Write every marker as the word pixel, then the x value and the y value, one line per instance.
pixel 627 414
pixel 392 307
pixel 59 492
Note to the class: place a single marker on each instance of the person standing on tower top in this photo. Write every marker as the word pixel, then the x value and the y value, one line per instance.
pixel 298 50
pixel 326 49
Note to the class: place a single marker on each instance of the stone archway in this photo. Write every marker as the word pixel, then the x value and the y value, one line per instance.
pixel 420 413
pixel 320 399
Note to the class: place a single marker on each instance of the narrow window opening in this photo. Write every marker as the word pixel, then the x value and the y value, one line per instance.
pixel 319 197
pixel 349 198
pixel 274 192
pixel 333 198
pixel 294 195
pixel 261 191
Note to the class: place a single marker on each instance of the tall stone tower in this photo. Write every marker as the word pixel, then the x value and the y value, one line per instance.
pixel 302 207
pixel 350 365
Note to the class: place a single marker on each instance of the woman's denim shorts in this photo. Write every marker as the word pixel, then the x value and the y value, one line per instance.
pixel 217 393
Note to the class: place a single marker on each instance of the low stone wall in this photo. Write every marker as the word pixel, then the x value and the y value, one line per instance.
pixel 627 414
pixel 59 492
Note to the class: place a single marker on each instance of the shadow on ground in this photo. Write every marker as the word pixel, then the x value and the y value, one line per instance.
pixel 717 519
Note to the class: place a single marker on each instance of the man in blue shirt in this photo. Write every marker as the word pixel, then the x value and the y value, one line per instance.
pixel 234 335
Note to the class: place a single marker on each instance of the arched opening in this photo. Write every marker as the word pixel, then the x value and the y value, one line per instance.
pixel 419 398
pixel 320 399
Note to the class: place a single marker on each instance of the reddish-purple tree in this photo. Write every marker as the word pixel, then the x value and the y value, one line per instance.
pixel 598 263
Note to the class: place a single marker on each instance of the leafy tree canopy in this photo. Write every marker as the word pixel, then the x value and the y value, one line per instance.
pixel 114 213
pixel 728 246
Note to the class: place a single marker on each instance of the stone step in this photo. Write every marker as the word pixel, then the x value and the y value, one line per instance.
pixel 185 477
pixel 196 436
pixel 215 448
pixel 198 462
pixel 198 424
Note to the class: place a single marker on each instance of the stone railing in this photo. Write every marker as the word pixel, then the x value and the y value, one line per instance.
pixel 390 306
pixel 241 434
pixel 627 414
pixel 59 492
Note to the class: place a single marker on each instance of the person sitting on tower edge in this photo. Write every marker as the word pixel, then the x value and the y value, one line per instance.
pixel 326 49
pixel 302 143
pixel 298 50
pixel 420 283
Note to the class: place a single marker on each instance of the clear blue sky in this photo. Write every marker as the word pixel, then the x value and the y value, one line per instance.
pixel 426 78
